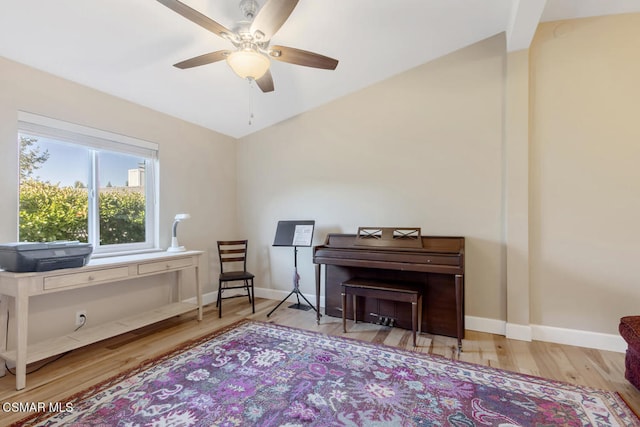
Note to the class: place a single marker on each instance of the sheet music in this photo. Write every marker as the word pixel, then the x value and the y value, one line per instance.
pixel 302 235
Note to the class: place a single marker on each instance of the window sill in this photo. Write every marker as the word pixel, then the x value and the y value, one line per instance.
pixel 125 253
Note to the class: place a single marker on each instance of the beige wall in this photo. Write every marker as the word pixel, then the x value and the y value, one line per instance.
pixel 532 156
pixel 421 149
pixel 197 175
pixel 585 179
pixel 516 195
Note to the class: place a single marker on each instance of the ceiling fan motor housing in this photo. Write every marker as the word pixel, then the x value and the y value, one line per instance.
pixel 249 8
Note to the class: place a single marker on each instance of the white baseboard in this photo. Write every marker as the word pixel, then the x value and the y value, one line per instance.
pixel 207 298
pixel 579 338
pixel 597 340
pixel 274 294
pixel 482 324
pixel 518 332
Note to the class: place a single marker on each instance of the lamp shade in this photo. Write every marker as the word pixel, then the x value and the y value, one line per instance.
pixel 247 63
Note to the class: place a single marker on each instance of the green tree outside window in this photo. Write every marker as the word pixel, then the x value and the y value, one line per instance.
pixel 51 212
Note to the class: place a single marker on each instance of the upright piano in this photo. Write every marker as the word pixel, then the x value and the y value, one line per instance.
pixel 396 255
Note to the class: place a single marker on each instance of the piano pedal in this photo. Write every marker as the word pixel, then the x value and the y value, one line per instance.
pixel 383 320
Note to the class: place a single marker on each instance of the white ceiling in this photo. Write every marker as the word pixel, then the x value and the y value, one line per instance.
pixel 127 47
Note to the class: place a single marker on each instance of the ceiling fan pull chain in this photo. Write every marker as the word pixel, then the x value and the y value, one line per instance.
pixel 250 101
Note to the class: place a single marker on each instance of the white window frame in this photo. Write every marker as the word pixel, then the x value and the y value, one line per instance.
pixel 96 139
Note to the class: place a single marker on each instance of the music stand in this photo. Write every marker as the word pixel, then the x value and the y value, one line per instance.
pixel 294 234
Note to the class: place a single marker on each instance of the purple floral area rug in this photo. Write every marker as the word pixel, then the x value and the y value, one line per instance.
pixel 255 373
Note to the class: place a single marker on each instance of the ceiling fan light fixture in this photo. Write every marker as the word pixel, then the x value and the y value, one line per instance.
pixel 248 63
pixel 251 39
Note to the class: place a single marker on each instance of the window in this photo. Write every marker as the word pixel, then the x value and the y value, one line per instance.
pixel 79 183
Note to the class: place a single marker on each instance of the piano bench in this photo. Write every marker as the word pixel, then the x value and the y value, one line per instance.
pixel 392 291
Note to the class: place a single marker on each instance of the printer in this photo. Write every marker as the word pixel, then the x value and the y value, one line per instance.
pixel 35 256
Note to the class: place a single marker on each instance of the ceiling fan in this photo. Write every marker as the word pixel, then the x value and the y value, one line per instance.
pixel 251 39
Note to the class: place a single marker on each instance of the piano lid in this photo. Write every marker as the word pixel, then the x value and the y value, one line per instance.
pixel 453 245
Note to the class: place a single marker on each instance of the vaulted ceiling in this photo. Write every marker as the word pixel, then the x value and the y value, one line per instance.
pixel 126 48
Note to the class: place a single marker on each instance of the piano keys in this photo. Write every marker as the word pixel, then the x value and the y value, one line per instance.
pixel 397 255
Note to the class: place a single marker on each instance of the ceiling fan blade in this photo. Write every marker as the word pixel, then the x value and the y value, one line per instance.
pixel 265 83
pixel 270 18
pixel 207 58
pixel 195 16
pixel 302 57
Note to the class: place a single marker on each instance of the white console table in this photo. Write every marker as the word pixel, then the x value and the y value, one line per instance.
pixel 19 287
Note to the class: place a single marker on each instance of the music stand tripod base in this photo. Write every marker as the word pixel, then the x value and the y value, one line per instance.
pixel 298 305
pixel 294 234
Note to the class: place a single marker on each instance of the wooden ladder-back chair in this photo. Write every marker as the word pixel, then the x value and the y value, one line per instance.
pixel 233 268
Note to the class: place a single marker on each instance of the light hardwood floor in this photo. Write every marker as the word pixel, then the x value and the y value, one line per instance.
pixel 86 366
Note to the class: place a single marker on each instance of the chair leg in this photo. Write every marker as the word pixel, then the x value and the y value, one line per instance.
pixel 219 299
pixel 250 294
pixel 246 285
pixel 253 298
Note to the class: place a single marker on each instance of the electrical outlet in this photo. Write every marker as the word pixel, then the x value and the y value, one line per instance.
pixel 81 317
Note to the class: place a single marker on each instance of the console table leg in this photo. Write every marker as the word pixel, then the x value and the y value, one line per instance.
pixel 178 286
pixel 198 292
pixel 4 325
pixel 22 327
pixel 317 294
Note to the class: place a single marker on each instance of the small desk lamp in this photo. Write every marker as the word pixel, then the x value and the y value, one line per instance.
pixel 174 237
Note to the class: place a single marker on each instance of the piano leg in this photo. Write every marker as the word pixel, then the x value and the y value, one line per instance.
pixel 459 309
pixel 355 308
pixel 344 310
pixel 414 320
pixel 318 294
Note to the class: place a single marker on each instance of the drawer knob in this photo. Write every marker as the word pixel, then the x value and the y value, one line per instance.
pixel 91 278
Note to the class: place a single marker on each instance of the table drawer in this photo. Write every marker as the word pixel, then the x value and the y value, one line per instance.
pixel 85 277
pixel 167 265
